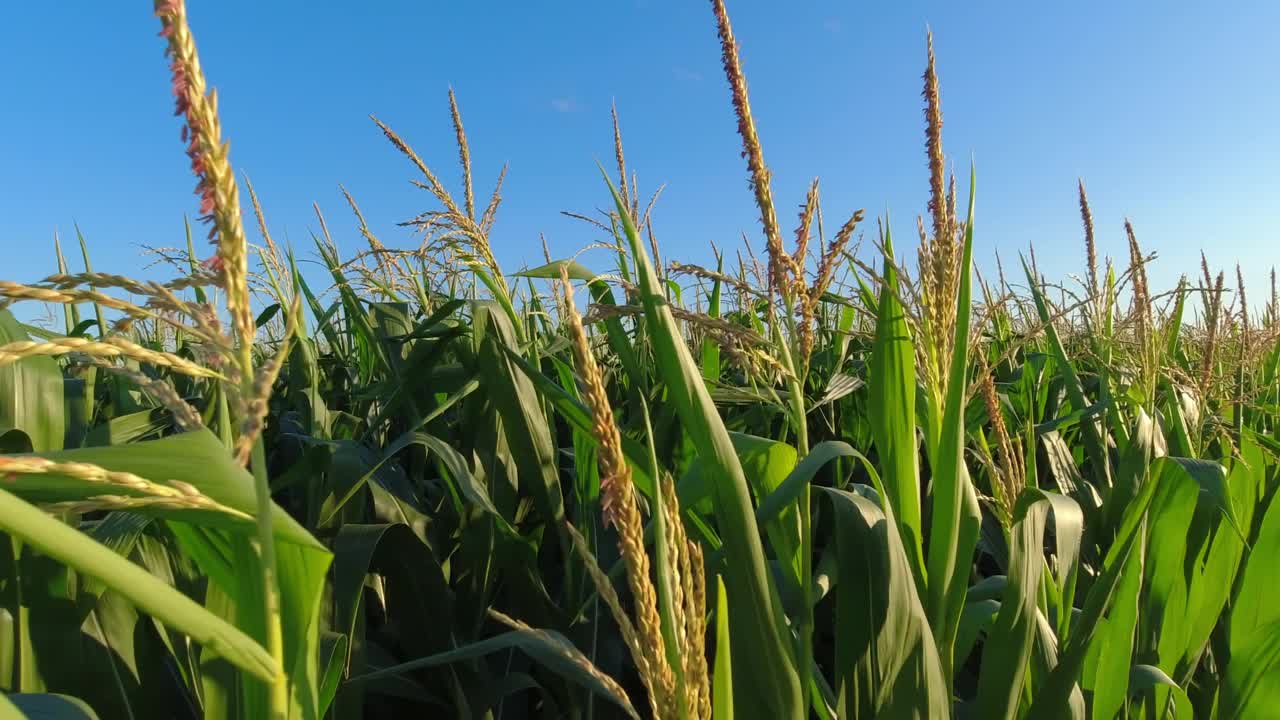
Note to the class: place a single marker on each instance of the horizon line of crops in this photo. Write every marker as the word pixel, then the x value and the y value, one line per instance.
pixel 791 486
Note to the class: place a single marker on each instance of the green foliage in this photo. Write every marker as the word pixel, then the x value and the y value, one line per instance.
pixel 1098 541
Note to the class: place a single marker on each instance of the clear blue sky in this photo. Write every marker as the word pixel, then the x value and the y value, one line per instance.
pixel 1167 109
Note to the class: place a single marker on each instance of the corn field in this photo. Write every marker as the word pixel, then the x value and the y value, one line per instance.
pixel 814 482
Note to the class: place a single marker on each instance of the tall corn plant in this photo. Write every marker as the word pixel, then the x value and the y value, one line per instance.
pixel 259 632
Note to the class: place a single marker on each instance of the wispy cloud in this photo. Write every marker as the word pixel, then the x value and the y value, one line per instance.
pixel 685 74
pixel 565 105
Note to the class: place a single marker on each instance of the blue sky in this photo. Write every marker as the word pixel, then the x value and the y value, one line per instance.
pixel 1167 110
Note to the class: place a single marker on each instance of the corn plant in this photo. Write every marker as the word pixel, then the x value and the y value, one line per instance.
pixel 823 481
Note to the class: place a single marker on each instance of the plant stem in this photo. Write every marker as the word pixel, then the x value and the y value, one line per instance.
pixel 279 692
pixel 795 388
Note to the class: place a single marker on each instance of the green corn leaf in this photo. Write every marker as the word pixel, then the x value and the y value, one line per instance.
pixel 551 271
pixel 71 311
pixel 333 653
pixel 710 347
pixel 1054 698
pixel 1111 651
pixel 577 415
pixel 44 706
pixel 149 594
pixel 602 295
pixel 199 459
pixel 1168 699
pixel 892 391
pixel 786 492
pixel 766 464
pixel 417 594
pixel 9 711
pixel 31 393
pixel 84 254
pixel 887 665
pixel 1068 533
pixel 1215 570
pixel 1250 684
pixel 722 674
pixel 1192 549
pixel 549 648
pixel 524 422
pixel 196 458
pixel 193 262
pixel 975 622
pixel 1007 653
pixel 1254 606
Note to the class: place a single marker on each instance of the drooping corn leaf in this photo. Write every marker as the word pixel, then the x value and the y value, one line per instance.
pixel 51 537
pixel 887 665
